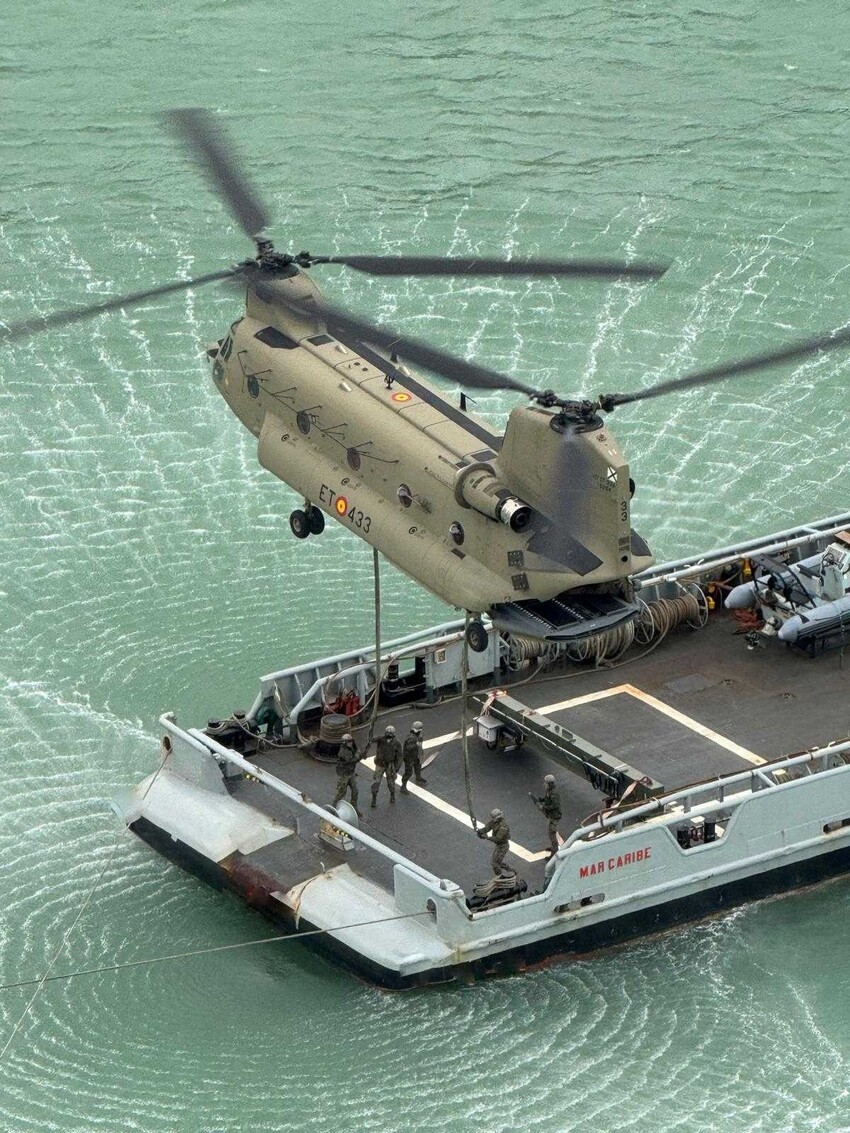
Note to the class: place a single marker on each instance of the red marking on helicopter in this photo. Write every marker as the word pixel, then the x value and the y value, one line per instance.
pixel 341 505
pixel 400 396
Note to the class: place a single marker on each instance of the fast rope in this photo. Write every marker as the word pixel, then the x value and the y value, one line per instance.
pixel 464 673
pixel 376 693
pixel 658 618
pixel 203 952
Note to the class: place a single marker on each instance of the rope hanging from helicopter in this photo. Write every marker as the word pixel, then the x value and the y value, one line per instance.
pixel 379 672
pixel 464 674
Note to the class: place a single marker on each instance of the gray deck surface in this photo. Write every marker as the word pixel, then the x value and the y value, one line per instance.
pixel 771 702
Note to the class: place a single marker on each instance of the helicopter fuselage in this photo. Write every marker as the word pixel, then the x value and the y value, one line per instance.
pixel 452 503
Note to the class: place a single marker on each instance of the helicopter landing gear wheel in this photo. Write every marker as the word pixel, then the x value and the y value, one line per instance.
pixel 476 636
pixel 315 520
pixel 300 524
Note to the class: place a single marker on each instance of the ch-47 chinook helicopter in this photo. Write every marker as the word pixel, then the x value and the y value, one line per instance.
pixel 532 527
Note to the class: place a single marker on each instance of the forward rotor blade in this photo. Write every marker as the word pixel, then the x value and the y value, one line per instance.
pixel 475 265
pixel 791 353
pixel 78 314
pixel 202 135
pixel 466 374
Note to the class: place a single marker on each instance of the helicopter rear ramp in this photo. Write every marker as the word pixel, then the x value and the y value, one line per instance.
pixel 567 617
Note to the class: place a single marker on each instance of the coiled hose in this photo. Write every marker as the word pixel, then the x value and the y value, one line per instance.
pixel 651 626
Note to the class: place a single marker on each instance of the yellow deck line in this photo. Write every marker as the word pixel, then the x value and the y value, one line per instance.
pixel 586 699
pixel 576 700
pixel 694 725
pixel 660 706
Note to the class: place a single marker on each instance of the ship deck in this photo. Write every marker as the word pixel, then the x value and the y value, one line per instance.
pixel 696 706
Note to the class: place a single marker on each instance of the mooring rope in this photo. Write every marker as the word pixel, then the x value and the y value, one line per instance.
pixel 42 980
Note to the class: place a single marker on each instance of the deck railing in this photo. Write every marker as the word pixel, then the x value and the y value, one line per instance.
pixel 813 534
pixel 726 790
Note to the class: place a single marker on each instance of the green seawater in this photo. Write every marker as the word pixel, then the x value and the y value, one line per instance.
pixel 146 562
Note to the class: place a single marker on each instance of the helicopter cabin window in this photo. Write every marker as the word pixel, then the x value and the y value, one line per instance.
pixel 320 339
pixel 273 337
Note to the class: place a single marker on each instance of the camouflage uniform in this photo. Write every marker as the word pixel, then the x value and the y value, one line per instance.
pixel 387 759
pixel 412 756
pixel 346 773
pixel 500 836
pixel 550 805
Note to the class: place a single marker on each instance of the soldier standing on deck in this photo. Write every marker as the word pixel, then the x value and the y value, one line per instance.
pixel 412 756
pixel 550 804
pixel 346 771
pixel 500 836
pixel 387 759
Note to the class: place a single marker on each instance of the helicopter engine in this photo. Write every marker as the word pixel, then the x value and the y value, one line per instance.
pixel 477 486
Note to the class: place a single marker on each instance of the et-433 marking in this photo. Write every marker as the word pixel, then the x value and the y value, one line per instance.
pixel 344 508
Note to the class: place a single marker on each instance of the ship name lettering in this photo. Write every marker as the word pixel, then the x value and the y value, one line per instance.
pixel 630 858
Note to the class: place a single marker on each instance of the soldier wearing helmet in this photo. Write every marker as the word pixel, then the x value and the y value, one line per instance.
pixel 500 836
pixel 550 804
pixel 346 771
pixel 387 759
pixel 412 756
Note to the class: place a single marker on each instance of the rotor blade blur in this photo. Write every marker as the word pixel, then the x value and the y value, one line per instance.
pixel 202 135
pixel 469 265
pixel 569 503
pixel 78 314
pixel 467 374
pixel 792 353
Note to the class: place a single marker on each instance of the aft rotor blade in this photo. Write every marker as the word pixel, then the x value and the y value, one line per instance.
pixel 477 265
pixel 203 136
pixel 569 502
pixel 792 353
pixel 467 374
pixel 78 314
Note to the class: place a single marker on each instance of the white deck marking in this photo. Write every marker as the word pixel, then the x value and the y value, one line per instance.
pixel 629 690
pixel 438 740
pixel 460 816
